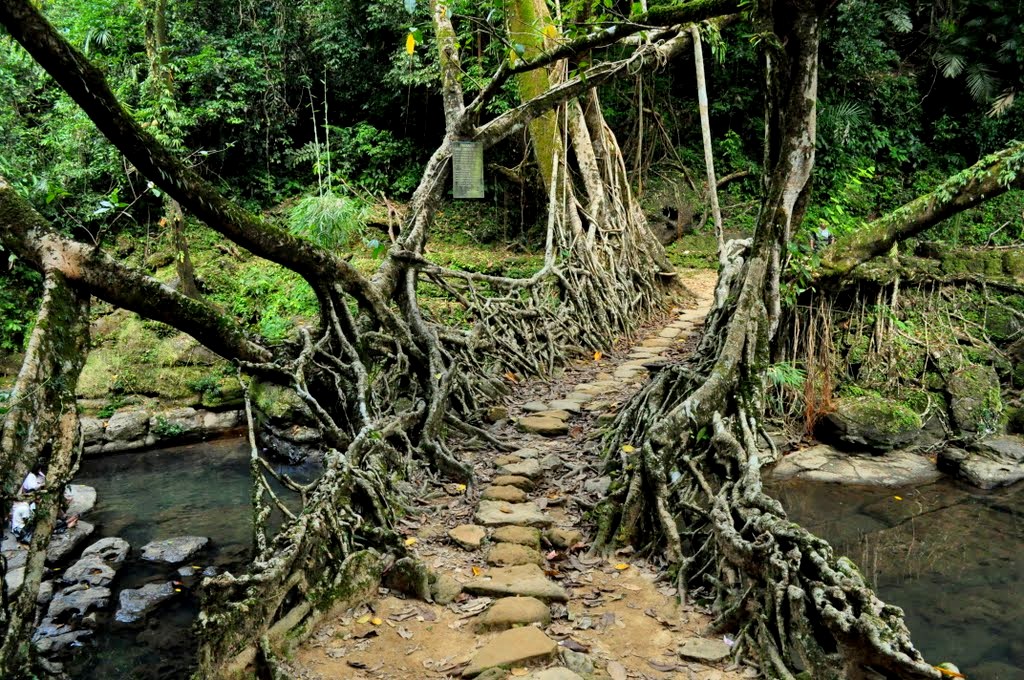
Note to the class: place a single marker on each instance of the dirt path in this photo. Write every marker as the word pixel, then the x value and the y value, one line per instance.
pixel 516 594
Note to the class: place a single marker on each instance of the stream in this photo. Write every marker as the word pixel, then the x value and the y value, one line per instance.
pixel 948 554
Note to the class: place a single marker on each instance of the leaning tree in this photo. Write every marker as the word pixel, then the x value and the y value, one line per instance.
pixel 383 380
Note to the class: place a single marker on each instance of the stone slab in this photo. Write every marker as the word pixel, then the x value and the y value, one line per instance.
pixel 513 647
pixel 500 513
pixel 514 611
pixel 527 580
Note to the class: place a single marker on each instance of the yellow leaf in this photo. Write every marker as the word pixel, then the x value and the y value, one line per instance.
pixel 363 619
pixel 511 376
pixel 410 44
pixel 460 487
pixel 177 590
pixel 410 541
pixel 627 448
pixel 376 621
pixel 476 571
pixel 550 32
pixel 519 672
pixel 899 498
pixel 597 356
pixel 621 566
pixel 512 56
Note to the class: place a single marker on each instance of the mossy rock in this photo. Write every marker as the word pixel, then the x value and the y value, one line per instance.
pixel 279 404
pixel 1013 263
pixel 976 406
pixel 873 422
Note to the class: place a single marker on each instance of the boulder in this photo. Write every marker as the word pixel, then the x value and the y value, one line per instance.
pixel 703 649
pixel 92 430
pixel 874 422
pixel 173 550
pixel 135 603
pixel 178 422
pixel 563 538
pixel 975 404
pixel 445 589
pixel 63 545
pixel 530 469
pixel 112 550
pixel 79 598
pixel 92 570
pixel 81 499
pixel 991 463
pixel 127 426
pixel 52 638
pixel 823 463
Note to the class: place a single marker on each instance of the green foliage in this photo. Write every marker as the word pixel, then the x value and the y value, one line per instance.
pixel 376 160
pixel 330 220
pixel 787 374
pixel 20 288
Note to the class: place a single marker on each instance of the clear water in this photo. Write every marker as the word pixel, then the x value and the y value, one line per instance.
pixel 949 555
pixel 202 489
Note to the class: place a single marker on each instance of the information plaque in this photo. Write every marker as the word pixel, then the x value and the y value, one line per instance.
pixel 467 170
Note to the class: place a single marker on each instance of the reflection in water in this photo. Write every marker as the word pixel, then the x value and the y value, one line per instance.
pixel 951 557
pixel 203 490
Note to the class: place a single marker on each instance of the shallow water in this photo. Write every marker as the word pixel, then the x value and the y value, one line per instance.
pixel 949 555
pixel 202 489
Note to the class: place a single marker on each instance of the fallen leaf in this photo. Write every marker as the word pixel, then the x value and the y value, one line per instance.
pixel 476 571
pixel 597 356
pixel 410 541
pixel 460 487
pixel 616 670
pixel 357 664
pixel 511 377
pixel 363 619
pixel 621 566
pixel 899 498
pixel 628 448
pixel 376 621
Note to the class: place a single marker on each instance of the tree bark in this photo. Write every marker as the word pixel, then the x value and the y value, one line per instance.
pixel 705 128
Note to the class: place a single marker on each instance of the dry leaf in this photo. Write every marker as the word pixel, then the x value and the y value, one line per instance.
pixel 476 571
pixel 511 377
pixel 410 541
pixel 597 356
pixel 375 621
pixel 363 619
pixel 621 566
pixel 628 448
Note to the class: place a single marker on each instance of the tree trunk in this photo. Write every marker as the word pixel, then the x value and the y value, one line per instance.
pixel 705 128
pixel 687 448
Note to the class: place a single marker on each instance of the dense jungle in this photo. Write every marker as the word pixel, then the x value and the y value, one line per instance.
pixel 556 339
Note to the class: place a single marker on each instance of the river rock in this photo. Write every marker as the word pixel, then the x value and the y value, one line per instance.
pixel 873 422
pixel 469 536
pixel 528 468
pixel 994 462
pixel 63 545
pixel 598 485
pixel 81 499
pixel 173 550
pixel 521 535
pixel 112 550
pixel 527 580
pixel 78 598
pixel 14 577
pixel 498 513
pixel 92 430
pixel 512 554
pixel 127 426
pixel 514 611
pixel 214 421
pixel 975 404
pixel 823 463
pixel 91 570
pixel 52 638
pixel 178 422
pixel 535 406
pixel 526 453
pixel 135 603
pixel 513 480
pixel 503 493
pixel 545 425
pixel 553 413
pixel 702 649
pixel 577 662
pixel 656 342
pixel 513 647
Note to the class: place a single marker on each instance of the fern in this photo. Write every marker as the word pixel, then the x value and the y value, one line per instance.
pixel 329 220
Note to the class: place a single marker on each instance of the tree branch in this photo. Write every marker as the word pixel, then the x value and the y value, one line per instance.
pixel 991 176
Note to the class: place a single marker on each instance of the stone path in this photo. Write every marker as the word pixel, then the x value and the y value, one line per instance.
pixel 515 593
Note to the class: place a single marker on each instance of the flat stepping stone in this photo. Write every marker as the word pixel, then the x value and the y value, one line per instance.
pixel 507 459
pixel 469 536
pixel 592 389
pixel 513 647
pixel 513 480
pixel 530 469
pixel 521 535
pixel 544 425
pixel 669 332
pixel 627 372
pixel 82 499
pixel 569 405
pixel 514 611
pixel 173 550
pixel 556 673
pixel 527 580
pixel 525 454
pixel 597 406
pixel 63 545
pixel 703 649
pixel 535 406
pixel 512 555
pixel 561 414
pixel 656 342
pixel 504 493
pixel 578 397
pixel 499 513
